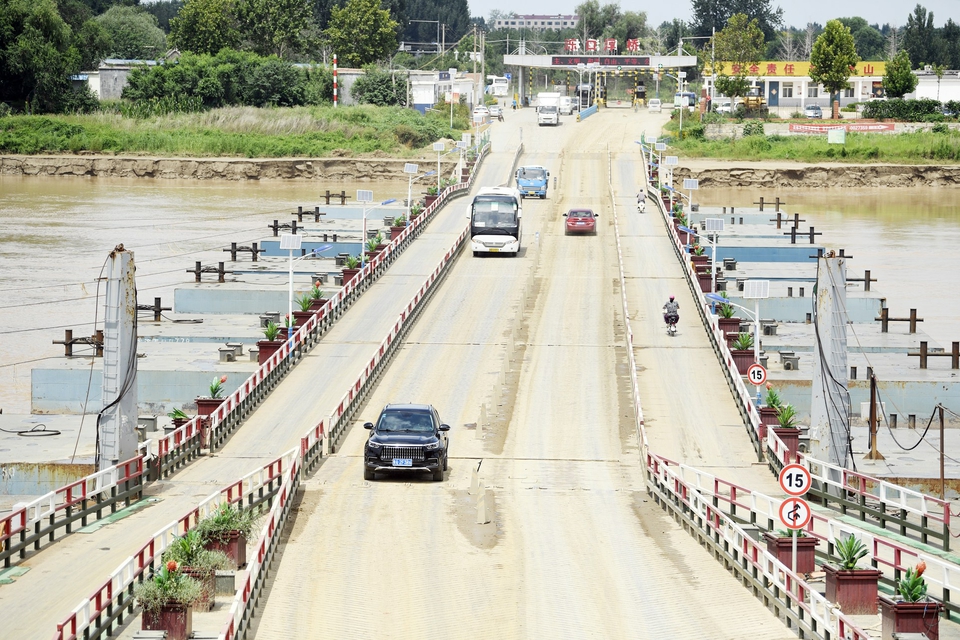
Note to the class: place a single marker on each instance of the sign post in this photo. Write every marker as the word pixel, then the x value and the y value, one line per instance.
pixel 795 512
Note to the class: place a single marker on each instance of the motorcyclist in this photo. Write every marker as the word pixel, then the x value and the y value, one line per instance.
pixel 671 308
pixel 641 202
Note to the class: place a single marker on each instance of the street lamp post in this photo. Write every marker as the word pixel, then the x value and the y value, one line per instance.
pixel 710 224
pixel 439 148
pixel 411 171
pixel 292 242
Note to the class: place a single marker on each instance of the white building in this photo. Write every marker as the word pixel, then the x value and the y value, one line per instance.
pixel 538 22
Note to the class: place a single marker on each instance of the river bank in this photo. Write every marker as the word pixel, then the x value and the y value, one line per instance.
pixel 105 166
pixel 739 173
pixel 710 173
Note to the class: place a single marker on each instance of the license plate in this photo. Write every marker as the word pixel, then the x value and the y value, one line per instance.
pixel 402 462
pixel 493 249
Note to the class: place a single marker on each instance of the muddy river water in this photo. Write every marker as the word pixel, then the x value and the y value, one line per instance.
pixel 56 233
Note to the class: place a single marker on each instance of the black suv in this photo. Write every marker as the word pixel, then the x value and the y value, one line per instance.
pixel 407 437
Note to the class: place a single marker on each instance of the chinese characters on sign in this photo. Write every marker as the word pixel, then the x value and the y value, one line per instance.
pixel 610 45
pixel 797 69
pixel 633 45
pixel 571 44
pixel 591 45
pixel 604 61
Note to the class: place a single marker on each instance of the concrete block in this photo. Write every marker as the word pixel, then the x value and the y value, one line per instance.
pixel 226 583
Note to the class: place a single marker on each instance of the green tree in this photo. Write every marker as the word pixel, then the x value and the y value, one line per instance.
pixel 833 57
pixel 278 27
pixel 133 33
pixel 37 55
pixel 739 44
pixel 919 36
pixel 93 43
pixel 455 14
pixel 164 11
pixel 714 14
pixel 898 80
pixel 361 32
pixel 869 40
pixel 380 87
pixel 205 26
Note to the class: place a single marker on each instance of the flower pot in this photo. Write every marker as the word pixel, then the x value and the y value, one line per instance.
pixel 317 304
pixel 174 618
pixel 854 590
pixel 782 549
pixel 267 349
pixel 208 580
pixel 429 199
pixel 706 282
pixel 371 254
pixel 729 326
pixel 233 544
pixel 179 422
pixel 206 406
pixel 898 616
pixel 695 259
pixel 791 440
pixel 348 274
pixel 688 238
pixel 743 358
pixel 768 418
pixel 300 318
pixel 396 231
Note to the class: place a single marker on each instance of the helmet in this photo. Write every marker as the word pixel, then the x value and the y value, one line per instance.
pixel 671 298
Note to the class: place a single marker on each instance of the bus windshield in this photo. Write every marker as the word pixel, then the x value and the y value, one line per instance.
pixel 495 212
pixel 532 174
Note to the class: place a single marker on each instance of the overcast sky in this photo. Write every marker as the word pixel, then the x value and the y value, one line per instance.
pixel 795 13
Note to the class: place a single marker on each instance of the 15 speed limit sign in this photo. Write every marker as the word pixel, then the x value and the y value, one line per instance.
pixel 795 479
pixel 756 374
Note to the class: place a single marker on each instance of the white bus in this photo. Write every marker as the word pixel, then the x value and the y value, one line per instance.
pixel 495 215
pixel 499 86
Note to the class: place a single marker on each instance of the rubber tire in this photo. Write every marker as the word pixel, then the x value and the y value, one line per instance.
pixel 369 474
pixel 438 474
pixel 445 455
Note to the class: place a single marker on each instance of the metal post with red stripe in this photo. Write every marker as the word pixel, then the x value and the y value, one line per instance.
pixel 334 80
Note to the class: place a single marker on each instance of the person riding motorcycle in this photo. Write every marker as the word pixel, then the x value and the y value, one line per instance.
pixel 641 202
pixel 671 311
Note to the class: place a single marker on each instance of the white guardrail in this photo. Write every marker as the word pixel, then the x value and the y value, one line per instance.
pixel 115 593
pixel 842 481
pixel 794 594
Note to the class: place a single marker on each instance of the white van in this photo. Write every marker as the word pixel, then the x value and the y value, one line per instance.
pixel 654 105
pixel 566 105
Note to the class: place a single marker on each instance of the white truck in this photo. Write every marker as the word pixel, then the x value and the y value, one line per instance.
pixel 566 106
pixel 548 108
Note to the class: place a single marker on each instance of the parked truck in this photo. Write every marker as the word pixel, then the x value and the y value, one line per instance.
pixel 548 108
pixel 532 181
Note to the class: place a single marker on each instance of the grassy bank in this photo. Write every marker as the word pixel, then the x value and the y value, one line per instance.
pixel 232 132
pixel 905 148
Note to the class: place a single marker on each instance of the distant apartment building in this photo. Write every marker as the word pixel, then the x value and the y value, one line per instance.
pixel 541 23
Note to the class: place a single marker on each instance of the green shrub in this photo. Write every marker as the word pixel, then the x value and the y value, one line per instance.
pixel 797 115
pixel 940 127
pixel 753 128
pixel 903 110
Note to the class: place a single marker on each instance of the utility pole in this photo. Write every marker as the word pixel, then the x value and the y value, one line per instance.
pixel 873 454
pixel 943 484
pixel 443 40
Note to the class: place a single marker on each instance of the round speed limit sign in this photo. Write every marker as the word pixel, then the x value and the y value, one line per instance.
pixel 795 480
pixel 756 374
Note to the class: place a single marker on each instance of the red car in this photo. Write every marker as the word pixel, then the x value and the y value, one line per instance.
pixel 580 221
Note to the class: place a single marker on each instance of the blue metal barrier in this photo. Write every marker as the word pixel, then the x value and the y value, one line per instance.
pixel 586 113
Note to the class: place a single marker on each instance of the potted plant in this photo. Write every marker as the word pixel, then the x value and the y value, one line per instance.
pixel 351 268
pixel 373 247
pixel 271 344
pixel 199 563
pixel 316 297
pixel 167 600
pixel 705 279
pixel 207 405
pixel 786 428
pixel 288 326
pixel 228 530
pixel 780 544
pixel 729 324
pixel 913 611
pixel 431 196
pixel 768 414
pixel 416 210
pixel 304 301
pixel 854 589
pixel 399 224
pixel 179 418
pixel 742 352
pixel 697 255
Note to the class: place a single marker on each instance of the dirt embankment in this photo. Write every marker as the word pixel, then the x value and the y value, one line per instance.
pixel 714 173
pixel 334 169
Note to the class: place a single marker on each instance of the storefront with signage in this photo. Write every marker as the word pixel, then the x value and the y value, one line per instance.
pixel 788 85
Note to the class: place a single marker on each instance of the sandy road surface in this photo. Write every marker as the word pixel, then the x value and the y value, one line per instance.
pixel 575 549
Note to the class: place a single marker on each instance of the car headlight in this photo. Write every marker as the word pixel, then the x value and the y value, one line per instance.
pixel 374 445
pixel 433 446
